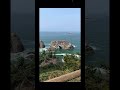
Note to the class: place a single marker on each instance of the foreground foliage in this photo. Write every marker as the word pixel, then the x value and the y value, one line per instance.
pixel 22 73
pixel 44 56
pixel 95 79
pixel 54 70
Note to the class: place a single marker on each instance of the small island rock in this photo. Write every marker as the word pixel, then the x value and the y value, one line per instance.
pixel 61 44
pixel 42 45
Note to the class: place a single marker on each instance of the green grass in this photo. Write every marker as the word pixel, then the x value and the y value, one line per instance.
pixel 75 80
pixel 52 71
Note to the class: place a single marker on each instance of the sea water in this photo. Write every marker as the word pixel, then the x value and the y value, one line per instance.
pixel 74 38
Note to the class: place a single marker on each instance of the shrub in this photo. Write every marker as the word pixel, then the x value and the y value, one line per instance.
pixel 22 71
pixel 94 81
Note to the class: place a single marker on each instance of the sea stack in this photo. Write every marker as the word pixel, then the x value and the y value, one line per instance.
pixel 41 44
pixel 61 44
pixel 16 44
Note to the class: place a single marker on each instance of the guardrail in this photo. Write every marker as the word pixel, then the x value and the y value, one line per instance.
pixel 66 77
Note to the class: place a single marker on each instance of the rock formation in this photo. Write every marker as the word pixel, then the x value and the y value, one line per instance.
pixel 61 44
pixel 42 45
pixel 16 44
pixel 88 49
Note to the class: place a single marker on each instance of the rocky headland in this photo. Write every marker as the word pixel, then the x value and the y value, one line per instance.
pixel 61 44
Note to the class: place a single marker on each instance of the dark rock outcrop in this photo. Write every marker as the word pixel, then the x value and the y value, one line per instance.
pixel 42 45
pixel 61 44
pixel 88 49
pixel 16 44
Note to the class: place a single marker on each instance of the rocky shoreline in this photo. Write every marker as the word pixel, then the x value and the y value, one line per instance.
pixel 65 45
pixel 57 44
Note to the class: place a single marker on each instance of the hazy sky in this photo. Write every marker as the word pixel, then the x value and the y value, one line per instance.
pixel 23 6
pixel 97 7
pixel 60 19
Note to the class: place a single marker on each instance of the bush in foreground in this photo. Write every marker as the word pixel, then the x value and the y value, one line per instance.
pixel 51 71
pixel 95 80
pixel 22 73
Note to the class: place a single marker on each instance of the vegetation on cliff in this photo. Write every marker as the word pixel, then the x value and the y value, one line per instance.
pixel 59 68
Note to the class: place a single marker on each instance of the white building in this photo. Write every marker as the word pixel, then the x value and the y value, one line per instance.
pixel 42 49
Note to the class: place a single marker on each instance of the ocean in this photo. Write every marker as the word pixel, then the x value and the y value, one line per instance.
pixel 74 38
pixel 97 35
